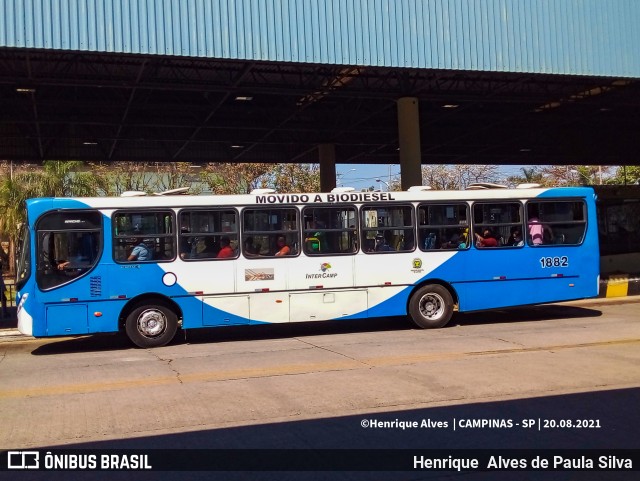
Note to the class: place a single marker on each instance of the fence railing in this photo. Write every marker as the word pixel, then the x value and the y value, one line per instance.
pixel 10 292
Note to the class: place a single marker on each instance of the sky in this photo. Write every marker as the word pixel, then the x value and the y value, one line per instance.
pixel 363 176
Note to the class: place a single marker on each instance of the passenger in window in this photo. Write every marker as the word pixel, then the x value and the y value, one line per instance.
pixel 226 250
pixel 430 241
pixel 317 240
pixel 515 238
pixel 282 249
pixel 455 242
pixel 250 249
pixel 487 239
pixel 538 232
pixel 210 249
pixel 381 244
pixel 140 252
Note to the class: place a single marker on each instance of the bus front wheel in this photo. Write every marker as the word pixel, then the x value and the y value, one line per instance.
pixel 151 325
pixel 431 306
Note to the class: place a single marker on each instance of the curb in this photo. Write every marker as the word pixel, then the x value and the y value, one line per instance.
pixel 620 285
pixel 9 335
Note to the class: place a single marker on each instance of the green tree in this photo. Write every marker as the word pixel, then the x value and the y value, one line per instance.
pixel 66 179
pixel 17 185
pixel 235 178
pixel 574 175
pixel 240 178
pixel 530 175
pixel 294 178
pixel 626 175
pixel 174 175
pixel 118 177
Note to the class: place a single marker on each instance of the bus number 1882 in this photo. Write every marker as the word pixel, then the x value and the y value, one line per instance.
pixel 554 262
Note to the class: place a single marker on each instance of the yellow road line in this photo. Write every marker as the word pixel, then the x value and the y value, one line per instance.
pixel 288 369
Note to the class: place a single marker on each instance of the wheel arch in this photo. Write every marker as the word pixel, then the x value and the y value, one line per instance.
pixel 441 282
pixel 148 298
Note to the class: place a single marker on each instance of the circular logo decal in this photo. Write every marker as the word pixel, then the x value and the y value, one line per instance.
pixel 169 279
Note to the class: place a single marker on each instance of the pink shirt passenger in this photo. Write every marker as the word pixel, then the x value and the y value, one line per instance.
pixel 536 231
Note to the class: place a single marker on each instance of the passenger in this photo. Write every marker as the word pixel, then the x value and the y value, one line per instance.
pixel 487 239
pixel 381 244
pixel 515 238
pixel 454 243
pixel 250 249
pixel 226 250
pixel 316 240
pixel 140 252
pixel 282 249
pixel 210 248
pixel 539 232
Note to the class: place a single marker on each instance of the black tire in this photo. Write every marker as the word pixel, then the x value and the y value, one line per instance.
pixel 151 325
pixel 431 306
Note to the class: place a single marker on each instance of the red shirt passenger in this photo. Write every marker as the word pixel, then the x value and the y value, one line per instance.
pixel 487 239
pixel 226 250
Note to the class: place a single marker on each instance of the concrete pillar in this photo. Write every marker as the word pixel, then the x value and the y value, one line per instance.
pixel 327 156
pixel 409 137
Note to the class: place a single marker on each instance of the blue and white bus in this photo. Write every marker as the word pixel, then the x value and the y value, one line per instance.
pixel 268 257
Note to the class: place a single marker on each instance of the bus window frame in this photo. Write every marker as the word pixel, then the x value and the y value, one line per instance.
pixel 479 227
pixel 386 205
pixel 353 231
pixel 458 226
pixel 552 200
pixel 215 234
pixel 245 234
pixel 130 236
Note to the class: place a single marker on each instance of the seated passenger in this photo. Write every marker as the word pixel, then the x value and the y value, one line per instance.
pixel 210 248
pixel 226 250
pixel 487 239
pixel 454 242
pixel 141 252
pixel 282 249
pixel 515 238
pixel 250 250
pixel 381 244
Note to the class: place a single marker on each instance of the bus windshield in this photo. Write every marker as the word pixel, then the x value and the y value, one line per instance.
pixel 24 257
pixel 68 246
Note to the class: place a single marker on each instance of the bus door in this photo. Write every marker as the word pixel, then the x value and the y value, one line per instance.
pixel 69 245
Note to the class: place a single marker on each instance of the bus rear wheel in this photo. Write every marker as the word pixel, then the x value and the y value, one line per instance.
pixel 431 306
pixel 151 325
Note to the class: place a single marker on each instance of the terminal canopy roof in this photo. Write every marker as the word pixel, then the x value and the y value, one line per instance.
pixel 106 107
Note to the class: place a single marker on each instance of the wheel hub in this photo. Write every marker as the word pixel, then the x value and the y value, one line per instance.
pixel 432 306
pixel 152 323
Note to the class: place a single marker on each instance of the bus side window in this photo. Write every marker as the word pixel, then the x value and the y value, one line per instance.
pixel 443 226
pixel 494 222
pixel 274 228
